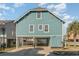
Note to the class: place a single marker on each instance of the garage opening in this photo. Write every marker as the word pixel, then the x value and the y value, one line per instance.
pixel 39 41
pixel 42 41
pixel 28 41
pixel 11 43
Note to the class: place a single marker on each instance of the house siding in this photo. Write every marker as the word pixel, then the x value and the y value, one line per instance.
pixel 7 38
pixel 10 27
pixel 56 41
pixel 55 27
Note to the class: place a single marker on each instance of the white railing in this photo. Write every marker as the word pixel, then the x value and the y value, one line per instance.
pixel 72 43
pixel 2 35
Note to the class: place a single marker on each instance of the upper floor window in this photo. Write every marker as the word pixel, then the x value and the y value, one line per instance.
pixel 46 28
pixel 31 28
pixel 40 27
pixel 38 15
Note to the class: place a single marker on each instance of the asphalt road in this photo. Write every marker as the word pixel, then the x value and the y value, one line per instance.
pixel 64 53
pixel 25 52
pixel 34 52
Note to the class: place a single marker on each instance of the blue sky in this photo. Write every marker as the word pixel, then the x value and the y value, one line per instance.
pixel 73 9
pixel 11 11
pixel 67 12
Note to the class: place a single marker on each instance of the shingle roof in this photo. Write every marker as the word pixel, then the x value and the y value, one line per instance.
pixel 39 9
pixel 3 22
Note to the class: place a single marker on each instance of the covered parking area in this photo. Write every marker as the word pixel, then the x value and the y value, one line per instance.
pixel 32 41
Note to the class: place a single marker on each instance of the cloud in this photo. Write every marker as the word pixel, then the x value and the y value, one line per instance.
pixel 60 7
pixel 50 6
pixel 42 4
pixel 66 16
pixel 16 5
pixel 0 14
pixel 1 17
pixel 4 7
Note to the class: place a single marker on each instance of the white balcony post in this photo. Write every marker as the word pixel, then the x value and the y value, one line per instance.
pixel 22 42
pixel 74 42
pixel 5 40
pixel 17 43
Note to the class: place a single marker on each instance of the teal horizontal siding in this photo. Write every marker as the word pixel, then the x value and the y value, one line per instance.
pixel 56 41
pixel 55 25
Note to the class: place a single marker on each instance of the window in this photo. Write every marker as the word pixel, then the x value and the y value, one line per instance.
pixel 70 40
pixel 31 28
pixel 77 40
pixel 38 15
pixel 46 28
pixel 40 27
pixel 24 40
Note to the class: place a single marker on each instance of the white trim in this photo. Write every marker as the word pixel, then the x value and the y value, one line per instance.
pixel 40 15
pixel 12 32
pixel 17 43
pixel 33 28
pixel 44 28
pixel 62 33
pixel 35 35
pixel 38 27
pixel 3 35
pixel 22 42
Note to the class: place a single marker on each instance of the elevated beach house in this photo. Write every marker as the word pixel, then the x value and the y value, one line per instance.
pixel 7 33
pixel 41 27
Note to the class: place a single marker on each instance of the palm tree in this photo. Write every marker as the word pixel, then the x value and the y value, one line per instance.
pixel 73 27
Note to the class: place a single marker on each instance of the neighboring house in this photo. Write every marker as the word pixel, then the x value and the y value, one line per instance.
pixel 39 26
pixel 71 37
pixel 7 33
pixel 72 40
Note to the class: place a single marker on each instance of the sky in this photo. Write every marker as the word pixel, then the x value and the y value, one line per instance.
pixel 66 11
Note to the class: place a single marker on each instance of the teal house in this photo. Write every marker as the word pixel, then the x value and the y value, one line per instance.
pixel 40 27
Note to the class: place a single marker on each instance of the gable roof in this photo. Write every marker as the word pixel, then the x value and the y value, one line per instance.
pixel 38 9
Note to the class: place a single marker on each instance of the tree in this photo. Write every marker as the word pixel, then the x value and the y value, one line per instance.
pixel 73 28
